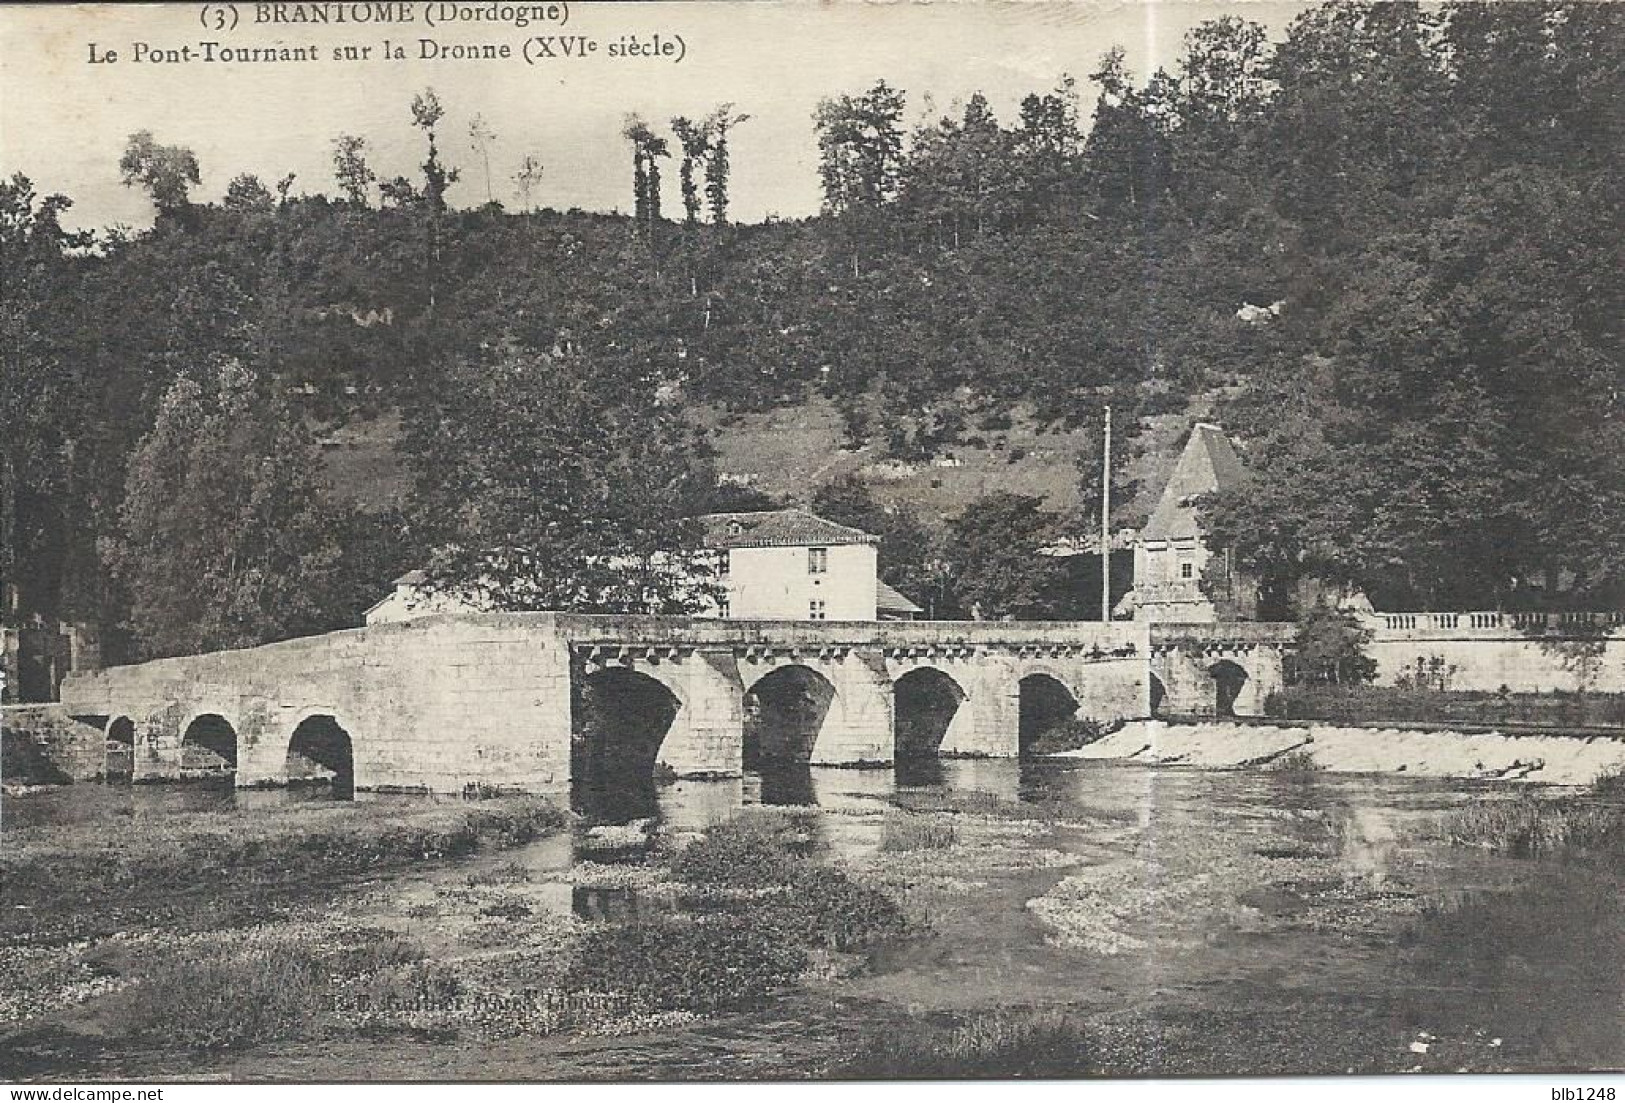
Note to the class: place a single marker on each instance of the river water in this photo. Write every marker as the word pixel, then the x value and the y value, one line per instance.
pixel 1215 920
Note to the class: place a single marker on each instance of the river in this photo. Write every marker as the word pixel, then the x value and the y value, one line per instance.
pixel 1210 921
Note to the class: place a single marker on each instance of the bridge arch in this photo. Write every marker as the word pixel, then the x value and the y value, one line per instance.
pixel 925 701
pixel 619 717
pixel 1229 678
pixel 118 763
pixel 209 747
pixel 322 751
pixel 1159 693
pixel 785 710
pixel 1044 702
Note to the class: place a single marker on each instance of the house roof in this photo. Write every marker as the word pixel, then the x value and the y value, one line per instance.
pixel 777 528
pixel 888 600
pixel 1209 463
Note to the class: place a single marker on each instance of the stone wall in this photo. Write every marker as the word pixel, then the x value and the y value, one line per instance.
pixel 1486 650
pixel 45 745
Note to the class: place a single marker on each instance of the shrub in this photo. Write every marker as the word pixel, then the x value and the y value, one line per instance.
pixel 902 831
pixel 1347 704
pixel 227 998
pixel 794 897
pixel 1610 785
pixel 753 851
pixel 825 907
pixel 987 1045
pixel 1330 649
pixel 717 963
pixel 1295 762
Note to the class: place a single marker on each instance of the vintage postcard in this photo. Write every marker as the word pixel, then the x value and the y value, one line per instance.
pixel 834 541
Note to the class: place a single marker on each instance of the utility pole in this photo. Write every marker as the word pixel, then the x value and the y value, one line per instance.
pixel 1106 523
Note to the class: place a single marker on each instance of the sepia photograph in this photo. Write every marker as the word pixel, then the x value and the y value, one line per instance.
pixel 813 541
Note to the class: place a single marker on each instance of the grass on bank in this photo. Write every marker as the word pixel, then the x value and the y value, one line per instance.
pixel 756 907
pixel 1587 825
pixel 86 880
pixel 754 912
pixel 909 831
pixel 998 1044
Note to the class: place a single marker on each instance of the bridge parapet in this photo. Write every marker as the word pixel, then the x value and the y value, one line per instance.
pixel 1492 624
pixel 779 634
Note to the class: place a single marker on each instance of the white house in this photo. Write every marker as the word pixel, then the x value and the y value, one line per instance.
pixel 782 564
pixel 788 564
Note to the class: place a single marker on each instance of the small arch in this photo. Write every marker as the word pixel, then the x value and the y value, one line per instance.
pixel 1159 693
pixel 209 747
pixel 1228 680
pixel 784 711
pixel 1045 703
pixel 119 761
pixel 925 702
pixel 320 751
pixel 618 719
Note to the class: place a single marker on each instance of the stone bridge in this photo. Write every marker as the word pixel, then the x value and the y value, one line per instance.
pixel 535 700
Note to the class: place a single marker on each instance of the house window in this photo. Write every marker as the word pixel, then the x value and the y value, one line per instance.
pixel 724 563
pixel 1187 570
pixel 817 560
pixel 815 611
pixel 722 608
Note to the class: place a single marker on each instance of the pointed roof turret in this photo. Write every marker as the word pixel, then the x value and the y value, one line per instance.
pixel 1209 463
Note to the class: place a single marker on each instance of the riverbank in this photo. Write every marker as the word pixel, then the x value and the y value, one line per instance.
pixel 1039 917
pixel 1548 758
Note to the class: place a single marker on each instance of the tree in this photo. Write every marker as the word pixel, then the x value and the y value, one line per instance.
pixel 995 558
pixel 1329 649
pixel 49 418
pixel 166 173
pixel 426 115
pixel 350 166
pixel 545 484
pixel 1047 146
pixel 227 537
pixel 718 168
pixel 960 172
pixel 695 141
pixel 860 147
pixel 246 193
pixel 481 137
pixel 527 178
pixel 647 149
pixel 909 555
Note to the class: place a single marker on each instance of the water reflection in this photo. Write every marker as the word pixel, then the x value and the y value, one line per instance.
pixel 90 802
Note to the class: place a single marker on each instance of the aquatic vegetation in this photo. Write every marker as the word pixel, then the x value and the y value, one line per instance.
pixel 1008 1042
pixel 903 830
pixel 672 963
pixel 1295 762
pixel 751 851
pixel 1610 784
pixel 225 998
pixel 224 868
pixel 1529 826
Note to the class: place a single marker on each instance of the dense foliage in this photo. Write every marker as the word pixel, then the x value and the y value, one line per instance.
pixel 1387 247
